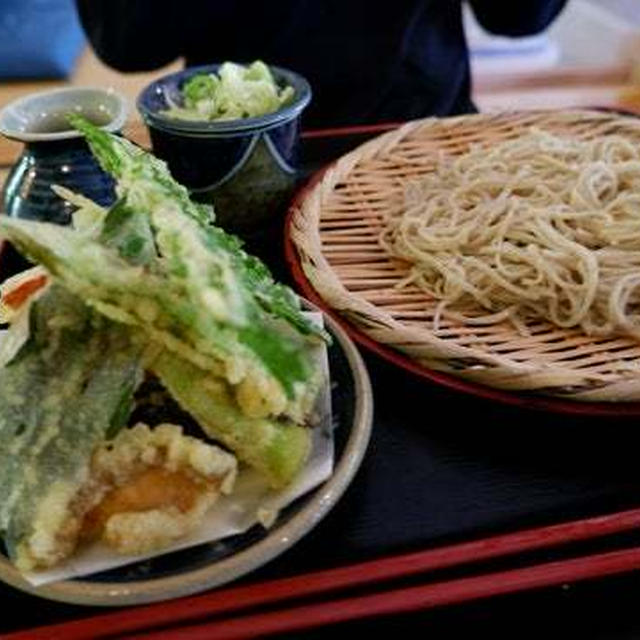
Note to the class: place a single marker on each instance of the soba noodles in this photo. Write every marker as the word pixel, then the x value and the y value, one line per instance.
pixel 538 227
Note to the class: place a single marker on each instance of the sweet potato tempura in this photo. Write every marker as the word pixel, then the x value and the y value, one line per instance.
pixel 146 488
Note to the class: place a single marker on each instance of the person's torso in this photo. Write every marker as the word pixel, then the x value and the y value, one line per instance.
pixel 366 61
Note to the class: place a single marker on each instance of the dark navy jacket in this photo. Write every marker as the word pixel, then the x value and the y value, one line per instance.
pixel 367 61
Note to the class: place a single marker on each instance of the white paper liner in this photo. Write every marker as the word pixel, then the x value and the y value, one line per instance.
pixel 251 502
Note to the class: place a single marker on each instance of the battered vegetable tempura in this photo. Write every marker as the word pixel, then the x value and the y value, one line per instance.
pixel 146 288
pixel 144 489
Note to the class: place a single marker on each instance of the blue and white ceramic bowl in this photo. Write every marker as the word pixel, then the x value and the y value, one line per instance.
pixel 246 168
pixel 54 153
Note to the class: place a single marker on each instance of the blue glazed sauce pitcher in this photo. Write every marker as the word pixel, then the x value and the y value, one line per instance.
pixel 56 154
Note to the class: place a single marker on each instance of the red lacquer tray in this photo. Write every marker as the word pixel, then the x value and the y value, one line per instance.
pixel 401 583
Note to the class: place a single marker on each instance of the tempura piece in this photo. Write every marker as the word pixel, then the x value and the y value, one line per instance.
pixel 141 491
pixel 154 486
pixel 276 449
pixel 17 294
pixel 69 385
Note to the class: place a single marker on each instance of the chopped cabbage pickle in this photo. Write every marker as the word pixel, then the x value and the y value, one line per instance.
pixel 276 448
pixel 235 91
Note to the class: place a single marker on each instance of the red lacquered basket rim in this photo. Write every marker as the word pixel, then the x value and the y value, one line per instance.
pixel 513 398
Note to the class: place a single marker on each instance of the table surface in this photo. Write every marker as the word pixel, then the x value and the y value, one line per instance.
pixel 459 468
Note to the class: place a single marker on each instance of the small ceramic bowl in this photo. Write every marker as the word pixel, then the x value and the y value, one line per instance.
pixel 246 168
pixel 55 153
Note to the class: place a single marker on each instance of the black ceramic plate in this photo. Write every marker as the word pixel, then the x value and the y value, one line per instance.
pixel 207 565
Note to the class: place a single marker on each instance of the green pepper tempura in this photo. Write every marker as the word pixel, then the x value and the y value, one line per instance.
pixel 233 93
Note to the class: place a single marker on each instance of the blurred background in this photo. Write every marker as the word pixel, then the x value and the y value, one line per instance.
pixel 590 57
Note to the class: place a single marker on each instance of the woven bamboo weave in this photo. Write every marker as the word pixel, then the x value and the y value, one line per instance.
pixel 335 230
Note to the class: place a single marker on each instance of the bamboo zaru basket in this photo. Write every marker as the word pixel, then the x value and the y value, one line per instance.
pixel 335 227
